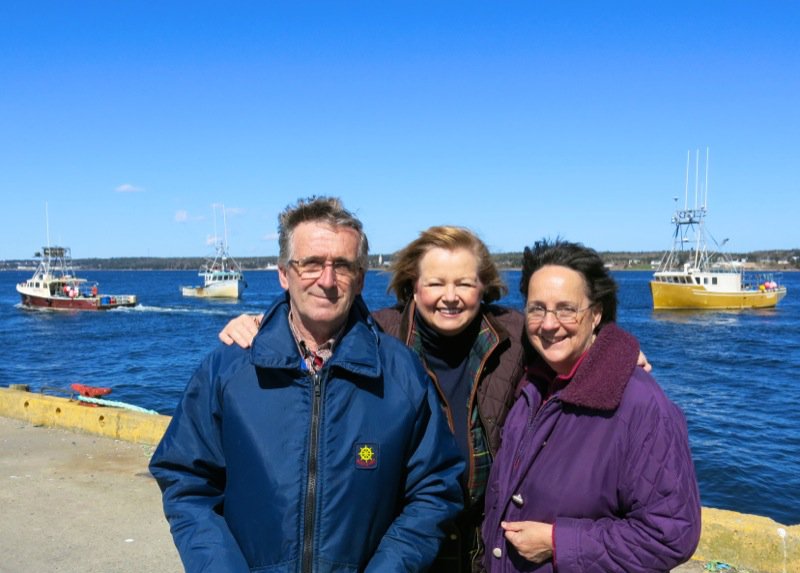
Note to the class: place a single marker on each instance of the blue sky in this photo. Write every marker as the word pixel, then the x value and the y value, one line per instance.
pixel 131 119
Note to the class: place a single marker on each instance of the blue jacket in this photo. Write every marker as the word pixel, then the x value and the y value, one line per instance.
pixel 266 467
pixel 606 459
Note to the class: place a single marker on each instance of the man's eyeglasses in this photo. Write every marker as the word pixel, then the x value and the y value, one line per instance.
pixel 313 267
pixel 563 314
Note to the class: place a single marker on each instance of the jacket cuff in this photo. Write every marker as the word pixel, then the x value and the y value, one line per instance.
pixel 566 532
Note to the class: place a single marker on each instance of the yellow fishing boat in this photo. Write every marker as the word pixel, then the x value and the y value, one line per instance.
pixel 689 277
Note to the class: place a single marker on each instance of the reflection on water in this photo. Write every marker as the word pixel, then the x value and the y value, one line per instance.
pixel 712 317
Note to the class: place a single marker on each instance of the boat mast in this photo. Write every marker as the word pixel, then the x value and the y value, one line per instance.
pixel 47 223
pixel 686 184
pixel 224 229
pixel 696 206
pixel 216 238
pixel 705 201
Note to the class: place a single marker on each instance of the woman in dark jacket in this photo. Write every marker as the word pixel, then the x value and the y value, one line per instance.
pixel 595 472
pixel 445 282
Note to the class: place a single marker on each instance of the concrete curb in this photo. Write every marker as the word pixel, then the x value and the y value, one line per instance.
pixel 748 542
pixel 55 412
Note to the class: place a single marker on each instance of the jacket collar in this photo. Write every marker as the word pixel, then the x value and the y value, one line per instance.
pixel 357 351
pixel 601 377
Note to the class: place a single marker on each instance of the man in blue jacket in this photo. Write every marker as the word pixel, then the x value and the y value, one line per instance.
pixel 322 448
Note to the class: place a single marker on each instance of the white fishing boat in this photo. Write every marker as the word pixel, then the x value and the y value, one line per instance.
pixel 222 276
pixel 689 277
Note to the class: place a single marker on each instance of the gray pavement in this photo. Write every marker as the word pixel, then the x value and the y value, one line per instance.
pixel 78 503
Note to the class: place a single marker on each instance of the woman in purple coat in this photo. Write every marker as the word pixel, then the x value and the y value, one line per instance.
pixel 594 472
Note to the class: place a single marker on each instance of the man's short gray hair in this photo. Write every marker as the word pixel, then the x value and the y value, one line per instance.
pixel 328 210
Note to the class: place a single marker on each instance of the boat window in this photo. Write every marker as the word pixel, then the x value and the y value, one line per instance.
pixel 713 280
pixel 697 280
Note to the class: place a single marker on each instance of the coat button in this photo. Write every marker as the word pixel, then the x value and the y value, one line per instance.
pixel 497 552
pixel 517 499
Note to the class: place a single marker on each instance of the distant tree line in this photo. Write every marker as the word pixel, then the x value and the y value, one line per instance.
pixel 785 259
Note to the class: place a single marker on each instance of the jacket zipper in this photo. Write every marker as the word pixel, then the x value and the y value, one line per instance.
pixel 311 482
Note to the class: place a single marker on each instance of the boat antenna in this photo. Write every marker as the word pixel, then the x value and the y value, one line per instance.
pixel 686 185
pixel 705 200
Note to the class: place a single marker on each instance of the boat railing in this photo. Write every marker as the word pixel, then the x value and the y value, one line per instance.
pixel 117 299
pixel 89 288
pixel 762 280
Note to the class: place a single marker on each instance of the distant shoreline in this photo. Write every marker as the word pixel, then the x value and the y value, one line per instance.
pixel 766 260
pixel 381 269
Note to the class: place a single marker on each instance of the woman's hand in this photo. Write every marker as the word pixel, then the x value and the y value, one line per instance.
pixel 241 330
pixel 532 539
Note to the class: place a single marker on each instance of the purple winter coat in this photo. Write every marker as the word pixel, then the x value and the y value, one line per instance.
pixel 606 459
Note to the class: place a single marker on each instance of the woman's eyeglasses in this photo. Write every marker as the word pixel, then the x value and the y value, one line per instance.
pixel 563 314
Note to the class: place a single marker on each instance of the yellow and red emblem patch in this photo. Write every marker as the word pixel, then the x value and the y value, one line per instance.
pixel 366 456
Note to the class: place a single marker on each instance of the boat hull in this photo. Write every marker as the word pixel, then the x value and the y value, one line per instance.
pixel 99 302
pixel 222 289
pixel 667 296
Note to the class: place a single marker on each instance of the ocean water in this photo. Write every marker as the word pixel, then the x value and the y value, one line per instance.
pixel 734 374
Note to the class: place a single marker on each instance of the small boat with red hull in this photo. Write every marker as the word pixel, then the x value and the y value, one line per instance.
pixel 55 286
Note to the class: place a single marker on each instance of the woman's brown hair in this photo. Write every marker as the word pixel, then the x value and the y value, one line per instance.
pixel 405 262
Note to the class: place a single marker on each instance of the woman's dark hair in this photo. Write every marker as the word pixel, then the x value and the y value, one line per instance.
pixel 601 288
